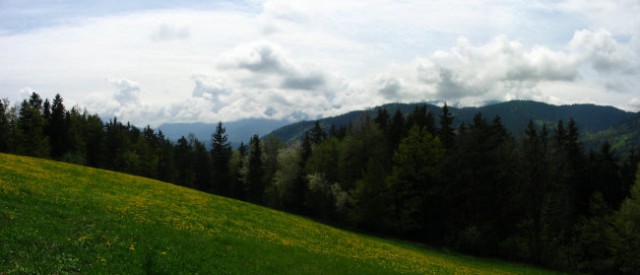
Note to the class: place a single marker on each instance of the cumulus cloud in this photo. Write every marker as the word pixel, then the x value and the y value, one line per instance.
pixel 212 89
pixel 634 103
pixel 269 65
pixel 261 79
pixel 168 33
pixel 604 53
pixel 501 69
pixel 127 91
pixel 305 59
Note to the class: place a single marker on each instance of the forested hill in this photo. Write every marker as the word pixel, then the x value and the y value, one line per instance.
pixel 515 116
pixel 622 136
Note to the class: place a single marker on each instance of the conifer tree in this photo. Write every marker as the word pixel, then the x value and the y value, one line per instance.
pixel 446 132
pixel 220 156
pixel 254 182
pixel 5 126
pixel 32 123
pixel 317 134
pixel 58 127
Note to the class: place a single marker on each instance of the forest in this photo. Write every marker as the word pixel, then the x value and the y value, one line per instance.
pixel 537 196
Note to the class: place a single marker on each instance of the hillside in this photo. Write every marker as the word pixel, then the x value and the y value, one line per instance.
pixel 622 137
pixel 62 218
pixel 515 116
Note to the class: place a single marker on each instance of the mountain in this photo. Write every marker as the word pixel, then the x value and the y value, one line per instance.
pixel 238 131
pixel 623 137
pixel 515 116
pixel 59 218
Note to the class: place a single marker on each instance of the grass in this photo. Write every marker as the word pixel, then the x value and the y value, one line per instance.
pixel 57 218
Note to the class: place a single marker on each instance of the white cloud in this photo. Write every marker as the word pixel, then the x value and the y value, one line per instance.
pixel 286 59
pixel 169 32
pixel 127 92
pixel 501 69
pixel 604 53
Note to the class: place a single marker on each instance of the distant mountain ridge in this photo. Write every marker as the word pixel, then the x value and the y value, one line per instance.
pixel 237 131
pixel 515 115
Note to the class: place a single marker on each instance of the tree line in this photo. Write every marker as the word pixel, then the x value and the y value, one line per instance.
pixel 534 197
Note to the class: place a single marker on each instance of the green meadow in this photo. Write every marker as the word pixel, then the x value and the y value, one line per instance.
pixel 58 218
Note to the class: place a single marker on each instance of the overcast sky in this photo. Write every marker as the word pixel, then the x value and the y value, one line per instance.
pixel 150 62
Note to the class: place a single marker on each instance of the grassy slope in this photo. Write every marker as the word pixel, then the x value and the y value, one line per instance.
pixel 62 218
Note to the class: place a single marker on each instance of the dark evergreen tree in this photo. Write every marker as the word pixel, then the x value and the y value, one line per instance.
pixel 57 128
pixel 397 130
pixel 421 117
pixel 446 132
pixel 254 178
pixel 317 134
pixel 118 145
pixel 94 136
pixel 413 185
pixel 202 165
pixel 480 173
pixel 32 139
pixel 236 186
pixel 305 151
pixel 220 156
pixel 184 163
pixel 382 120
pixel 166 164
pixel 605 177
pixel 5 126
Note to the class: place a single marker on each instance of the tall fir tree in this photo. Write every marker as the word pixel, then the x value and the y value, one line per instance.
pixel 254 181
pixel 317 134
pixel 58 127
pixel 5 126
pixel 33 141
pixel 446 132
pixel 220 156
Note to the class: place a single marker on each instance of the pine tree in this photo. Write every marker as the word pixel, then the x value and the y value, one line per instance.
pixel 32 123
pixel 397 130
pixel 413 184
pixel 220 156
pixel 446 132
pixel 184 163
pixel 382 120
pixel 254 176
pixel 5 126
pixel 317 134
pixel 57 128
pixel 202 165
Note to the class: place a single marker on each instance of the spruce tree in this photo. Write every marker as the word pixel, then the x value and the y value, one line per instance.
pixel 5 127
pixel 57 128
pixel 254 177
pixel 317 134
pixel 220 156
pixel 446 132
pixel 32 123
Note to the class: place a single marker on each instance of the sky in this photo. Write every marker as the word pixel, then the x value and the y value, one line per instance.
pixel 150 62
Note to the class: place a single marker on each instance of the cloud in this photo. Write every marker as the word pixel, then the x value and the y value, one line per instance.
pixel 258 57
pixel 127 92
pixel 305 59
pixel 212 89
pixel 604 53
pixel 168 33
pixel 312 81
pixel 265 64
pixel 501 69
pixel 634 103
pixel 390 88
